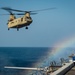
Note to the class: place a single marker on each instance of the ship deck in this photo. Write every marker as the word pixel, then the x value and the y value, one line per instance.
pixel 71 71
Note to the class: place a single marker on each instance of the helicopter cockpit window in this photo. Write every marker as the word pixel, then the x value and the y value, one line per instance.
pixel 28 17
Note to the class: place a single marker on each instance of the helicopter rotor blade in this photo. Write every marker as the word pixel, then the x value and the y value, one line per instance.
pixel 43 9
pixel 31 12
pixel 13 14
pixel 7 9
pixel 10 9
pixel 19 14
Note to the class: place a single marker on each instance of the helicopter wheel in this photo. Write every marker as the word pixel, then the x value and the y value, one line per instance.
pixel 17 29
pixel 8 28
pixel 26 27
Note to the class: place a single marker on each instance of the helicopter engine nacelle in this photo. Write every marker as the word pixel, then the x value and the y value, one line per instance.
pixel 12 17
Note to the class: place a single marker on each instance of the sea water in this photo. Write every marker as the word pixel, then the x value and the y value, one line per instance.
pixel 25 57
pixel 20 57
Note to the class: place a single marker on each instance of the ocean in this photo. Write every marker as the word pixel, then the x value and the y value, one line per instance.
pixel 24 57
pixel 20 57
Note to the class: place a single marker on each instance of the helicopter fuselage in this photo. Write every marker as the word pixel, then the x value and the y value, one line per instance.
pixel 24 21
pixel 19 22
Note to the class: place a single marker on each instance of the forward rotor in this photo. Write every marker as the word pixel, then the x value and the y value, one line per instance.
pixel 18 14
pixel 23 12
pixel 10 9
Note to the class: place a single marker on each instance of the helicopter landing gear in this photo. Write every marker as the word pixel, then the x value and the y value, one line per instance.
pixel 8 28
pixel 17 29
pixel 26 27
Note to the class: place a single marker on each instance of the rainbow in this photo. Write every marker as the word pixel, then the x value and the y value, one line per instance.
pixel 67 42
pixel 59 48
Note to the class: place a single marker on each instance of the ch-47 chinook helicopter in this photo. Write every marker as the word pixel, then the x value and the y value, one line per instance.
pixel 24 21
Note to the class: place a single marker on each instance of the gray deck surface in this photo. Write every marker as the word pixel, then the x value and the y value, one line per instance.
pixel 71 72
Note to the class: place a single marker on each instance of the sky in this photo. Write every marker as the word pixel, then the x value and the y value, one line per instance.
pixel 47 28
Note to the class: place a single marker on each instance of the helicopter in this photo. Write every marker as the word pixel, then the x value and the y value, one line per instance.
pixel 23 21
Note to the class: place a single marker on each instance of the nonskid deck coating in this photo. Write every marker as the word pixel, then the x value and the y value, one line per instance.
pixel 71 71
